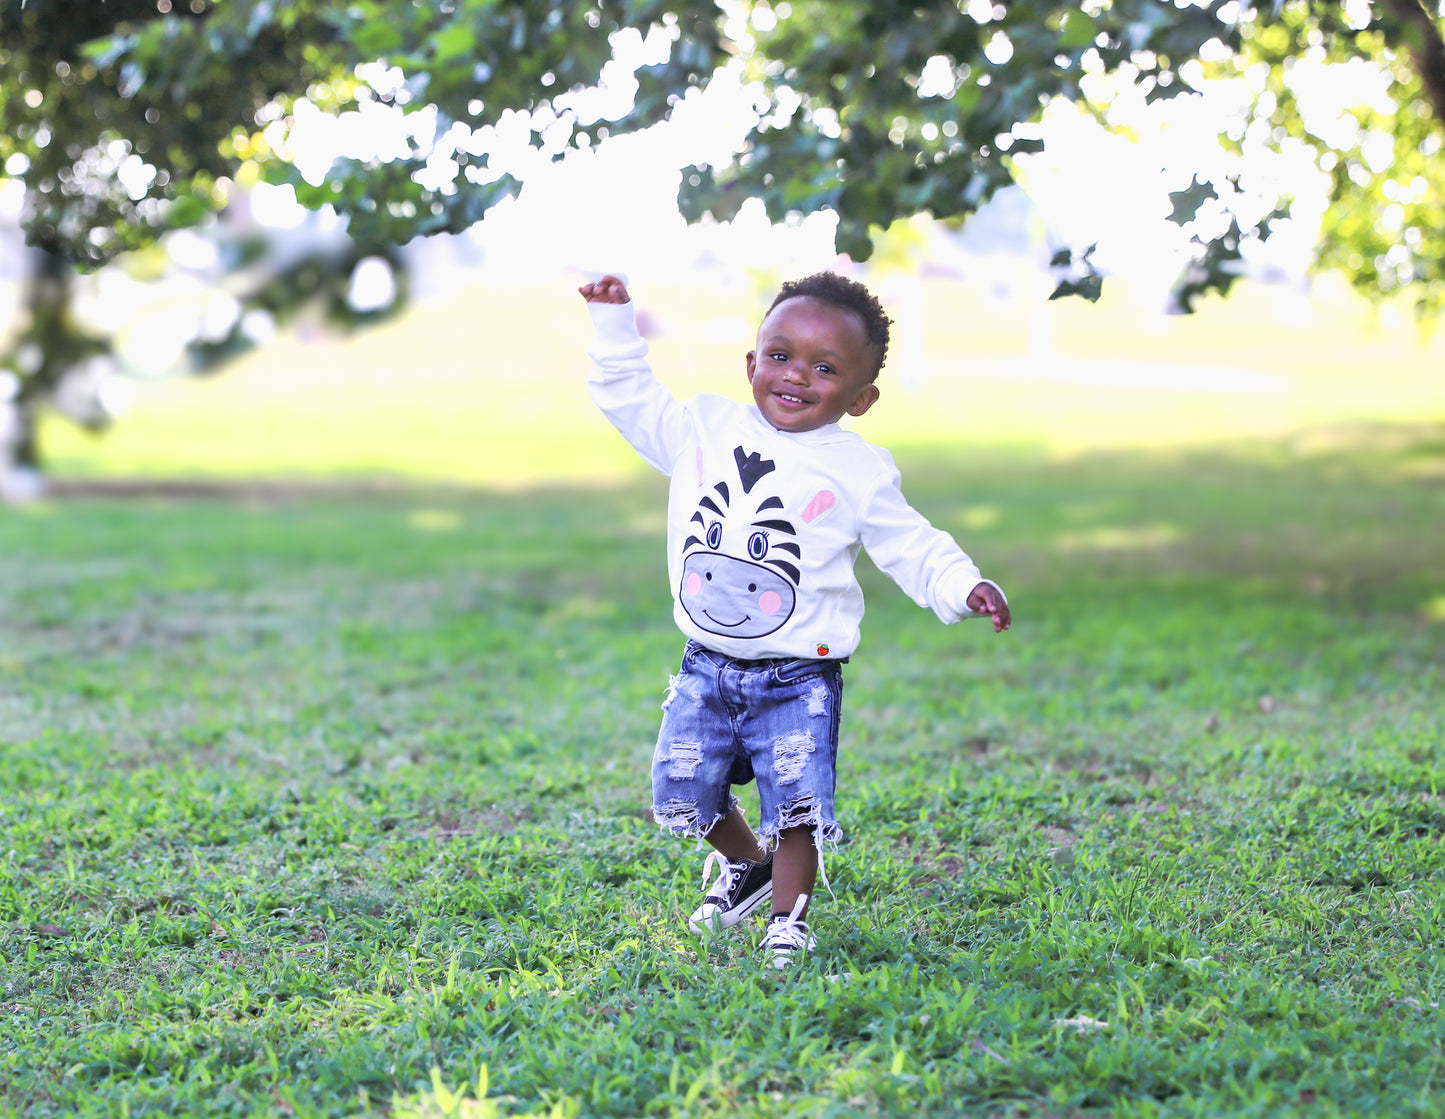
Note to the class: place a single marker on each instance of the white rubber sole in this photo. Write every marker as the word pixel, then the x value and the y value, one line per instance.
pixel 708 918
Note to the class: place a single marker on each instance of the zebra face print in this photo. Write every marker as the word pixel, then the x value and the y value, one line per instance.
pixel 722 591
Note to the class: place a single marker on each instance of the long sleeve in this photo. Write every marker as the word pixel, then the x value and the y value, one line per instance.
pixel 924 561
pixel 623 387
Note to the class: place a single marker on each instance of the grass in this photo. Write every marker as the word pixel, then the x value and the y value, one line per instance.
pixel 326 805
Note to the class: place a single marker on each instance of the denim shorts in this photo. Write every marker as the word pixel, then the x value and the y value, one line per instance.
pixel 726 722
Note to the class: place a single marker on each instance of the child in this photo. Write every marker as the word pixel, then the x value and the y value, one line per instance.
pixel 768 505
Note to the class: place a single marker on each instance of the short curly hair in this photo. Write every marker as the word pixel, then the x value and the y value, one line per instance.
pixel 849 295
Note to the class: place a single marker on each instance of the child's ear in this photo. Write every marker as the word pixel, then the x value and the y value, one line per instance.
pixel 752 364
pixel 864 400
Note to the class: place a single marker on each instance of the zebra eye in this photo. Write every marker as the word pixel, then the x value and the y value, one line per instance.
pixel 714 535
pixel 758 545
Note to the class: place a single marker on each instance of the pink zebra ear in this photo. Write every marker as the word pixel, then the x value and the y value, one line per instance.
pixel 822 501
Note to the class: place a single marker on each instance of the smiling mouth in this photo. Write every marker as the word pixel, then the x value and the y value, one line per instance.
pixel 727 625
pixel 789 399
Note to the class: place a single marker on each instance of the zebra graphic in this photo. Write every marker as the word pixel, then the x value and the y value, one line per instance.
pixel 723 592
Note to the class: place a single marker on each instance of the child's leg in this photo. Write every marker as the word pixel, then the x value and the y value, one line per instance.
pixel 744 878
pixel 795 868
pixel 735 838
pixel 693 763
pixel 792 736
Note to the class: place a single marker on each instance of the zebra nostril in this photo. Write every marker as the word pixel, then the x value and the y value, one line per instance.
pixel 752 587
pixel 708 576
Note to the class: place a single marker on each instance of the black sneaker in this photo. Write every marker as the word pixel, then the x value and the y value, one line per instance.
pixel 741 887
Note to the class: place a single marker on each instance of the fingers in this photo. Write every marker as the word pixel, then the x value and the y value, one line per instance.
pixel 609 289
pixel 986 600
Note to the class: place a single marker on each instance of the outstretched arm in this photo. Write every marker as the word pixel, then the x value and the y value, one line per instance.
pixel 925 561
pixel 609 289
pixel 986 599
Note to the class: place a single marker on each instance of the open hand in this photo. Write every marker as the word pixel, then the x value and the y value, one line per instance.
pixel 609 289
pixel 986 599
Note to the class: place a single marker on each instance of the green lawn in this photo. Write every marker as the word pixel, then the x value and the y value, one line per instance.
pixel 484 386
pixel 304 798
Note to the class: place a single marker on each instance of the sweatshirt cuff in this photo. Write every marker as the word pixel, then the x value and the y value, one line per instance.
pixel 613 324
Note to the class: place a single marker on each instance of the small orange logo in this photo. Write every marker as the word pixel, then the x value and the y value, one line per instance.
pixel 822 650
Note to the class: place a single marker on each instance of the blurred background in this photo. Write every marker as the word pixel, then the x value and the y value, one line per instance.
pixel 244 240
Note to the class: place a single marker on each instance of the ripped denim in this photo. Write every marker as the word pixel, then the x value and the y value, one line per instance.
pixel 727 722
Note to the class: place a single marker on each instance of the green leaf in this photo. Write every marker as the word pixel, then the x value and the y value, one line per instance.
pixel 1077 29
pixel 1187 201
pixel 454 41
pixel 1088 287
pixel 186 211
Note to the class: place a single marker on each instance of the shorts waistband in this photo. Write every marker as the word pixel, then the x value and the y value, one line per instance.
pixel 765 662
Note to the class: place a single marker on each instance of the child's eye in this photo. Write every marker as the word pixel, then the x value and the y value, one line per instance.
pixel 778 355
pixel 824 368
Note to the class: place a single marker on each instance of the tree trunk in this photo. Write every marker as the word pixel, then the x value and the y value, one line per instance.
pixel 1427 45
pixel 52 340
pixel 25 447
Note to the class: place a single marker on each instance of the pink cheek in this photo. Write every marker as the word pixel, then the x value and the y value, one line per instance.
pixel 770 602
pixel 694 584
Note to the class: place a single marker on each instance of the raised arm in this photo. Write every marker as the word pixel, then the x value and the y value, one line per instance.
pixel 622 384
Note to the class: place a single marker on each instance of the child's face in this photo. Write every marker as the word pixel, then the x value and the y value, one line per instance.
pixel 813 365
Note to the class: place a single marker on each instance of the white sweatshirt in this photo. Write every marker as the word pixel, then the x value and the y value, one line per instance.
pixel 763 526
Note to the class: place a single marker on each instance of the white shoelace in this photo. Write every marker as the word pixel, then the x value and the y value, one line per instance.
pixel 791 932
pixel 729 873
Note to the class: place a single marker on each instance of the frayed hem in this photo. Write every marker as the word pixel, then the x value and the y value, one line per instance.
pixel 827 834
pixel 802 814
pixel 680 818
pixel 830 833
